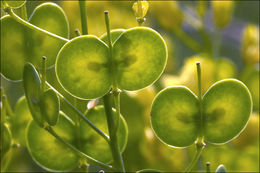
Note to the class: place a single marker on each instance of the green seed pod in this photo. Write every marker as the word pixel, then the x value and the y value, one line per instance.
pixel 47 151
pixel 13 49
pixel 222 11
pixel 226 105
pixel 92 143
pixel 50 17
pixel 50 107
pixel 15 4
pixel 221 169
pixel 32 89
pixel 6 138
pixel 173 116
pixel 85 69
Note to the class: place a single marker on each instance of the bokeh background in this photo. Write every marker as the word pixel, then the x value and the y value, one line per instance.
pixel 223 36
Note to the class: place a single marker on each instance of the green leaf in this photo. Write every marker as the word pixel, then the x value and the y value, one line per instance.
pixel 13 48
pixel 115 34
pixel 50 107
pixel 22 116
pixel 49 152
pixel 5 139
pixel 227 106
pixel 174 116
pixel 140 56
pixel 93 144
pixel 221 169
pixel 82 67
pixel 50 17
pixel 32 89
pixel 15 4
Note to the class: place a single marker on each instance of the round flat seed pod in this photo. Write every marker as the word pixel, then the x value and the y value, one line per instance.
pixel 82 67
pixel 32 89
pixel 115 33
pixel 47 151
pixel 49 17
pixel 20 121
pixel 6 139
pixel 227 106
pixel 15 4
pixel 50 107
pixel 175 116
pixel 13 49
pixel 93 144
pixel 140 56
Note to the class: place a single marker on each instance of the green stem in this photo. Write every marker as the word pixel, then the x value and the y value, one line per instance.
pixel 44 59
pixel 217 42
pixel 114 84
pixel 81 115
pixel 3 110
pixel 84 22
pixel 118 160
pixel 7 105
pixel 116 97
pixel 187 40
pixel 31 26
pixel 199 149
pixel 200 99
pixel 89 159
pixel 208 167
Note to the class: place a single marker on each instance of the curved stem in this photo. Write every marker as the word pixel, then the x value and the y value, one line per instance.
pixel 31 26
pixel 81 115
pixel 84 22
pixel 89 159
pixel 118 160
pixel 195 158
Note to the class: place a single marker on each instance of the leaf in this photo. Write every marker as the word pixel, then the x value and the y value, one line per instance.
pixel 140 56
pixel 50 17
pixel 22 116
pixel 92 143
pixel 47 151
pixel 174 116
pixel 227 106
pixel 13 49
pixel 32 84
pixel 82 67
pixel 50 107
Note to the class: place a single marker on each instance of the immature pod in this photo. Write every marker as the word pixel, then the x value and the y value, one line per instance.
pixel 32 89
pixel 50 107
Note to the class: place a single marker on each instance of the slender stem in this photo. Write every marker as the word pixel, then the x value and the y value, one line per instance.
pixel 44 59
pixel 8 108
pixel 187 40
pixel 89 159
pixel 116 97
pixel 199 149
pixel 118 160
pixel 200 99
pixel 114 84
pixel 81 115
pixel 3 110
pixel 31 26
pixel 217 42
pixel 208 167
pixel 84 22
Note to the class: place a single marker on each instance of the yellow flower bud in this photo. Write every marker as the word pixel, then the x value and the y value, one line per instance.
pixel 250 44
pixel 168 14
pixel 222 11
pixel 140 9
